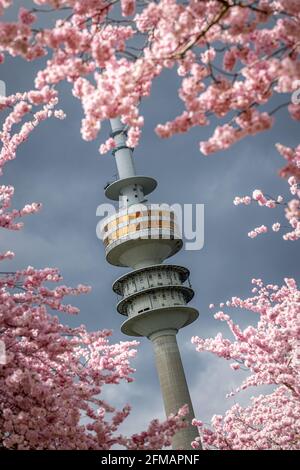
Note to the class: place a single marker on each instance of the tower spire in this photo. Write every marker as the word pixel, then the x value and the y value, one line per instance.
pixel 122 153
pixel 154 296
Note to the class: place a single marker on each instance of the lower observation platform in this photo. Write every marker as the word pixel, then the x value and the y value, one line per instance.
pixel 147 323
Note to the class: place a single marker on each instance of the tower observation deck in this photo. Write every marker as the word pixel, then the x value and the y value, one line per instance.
pixel 153 296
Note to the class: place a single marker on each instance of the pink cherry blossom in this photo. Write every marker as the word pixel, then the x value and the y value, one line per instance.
pixel 26 17
pixel 257 231
pixel 291 208
pixel 233 60
pixel 276 227
pixel 270 351
pixel 107 146
pixel 54 374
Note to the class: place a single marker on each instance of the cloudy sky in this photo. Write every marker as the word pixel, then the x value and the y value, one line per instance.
pixel 67 175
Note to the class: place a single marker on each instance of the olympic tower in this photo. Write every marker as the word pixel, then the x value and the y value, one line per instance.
pixel 153 295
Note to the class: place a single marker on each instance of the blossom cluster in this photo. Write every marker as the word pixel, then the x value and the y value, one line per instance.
pixel 53 375
pixel 270 352
pixel 260 60
pixel 292 209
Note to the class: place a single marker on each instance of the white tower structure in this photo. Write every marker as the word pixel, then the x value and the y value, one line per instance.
pixel 153 296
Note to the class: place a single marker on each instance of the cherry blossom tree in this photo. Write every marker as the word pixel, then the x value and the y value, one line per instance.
pixel 53 375
pixel 235 58
pixel 292 209
pixel 270 352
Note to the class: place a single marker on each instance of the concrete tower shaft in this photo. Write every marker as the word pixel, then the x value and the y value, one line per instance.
pixel 173 383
